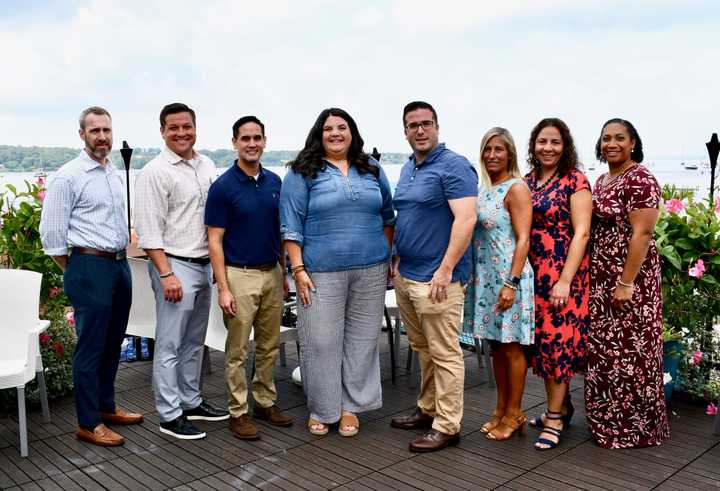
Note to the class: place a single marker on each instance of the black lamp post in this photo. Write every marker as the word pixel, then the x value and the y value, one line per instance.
pixel 713 148
pixel 126 153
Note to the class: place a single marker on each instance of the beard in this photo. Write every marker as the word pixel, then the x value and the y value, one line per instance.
pixel 97 151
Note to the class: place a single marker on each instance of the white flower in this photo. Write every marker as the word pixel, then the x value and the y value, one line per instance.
pixel 667 378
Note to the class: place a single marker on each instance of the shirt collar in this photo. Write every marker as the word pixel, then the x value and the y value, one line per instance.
pixel 243 176
pixel 440 148
pixel 90 164
pixel 175 159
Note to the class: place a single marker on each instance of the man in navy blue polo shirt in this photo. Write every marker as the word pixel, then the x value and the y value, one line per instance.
pixel 435 202
pixel 242 215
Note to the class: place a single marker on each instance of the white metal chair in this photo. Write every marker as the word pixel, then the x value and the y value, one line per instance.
pixel 19 302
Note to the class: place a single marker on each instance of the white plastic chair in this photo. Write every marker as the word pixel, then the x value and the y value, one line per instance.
pixel 19 302
pixel 142 313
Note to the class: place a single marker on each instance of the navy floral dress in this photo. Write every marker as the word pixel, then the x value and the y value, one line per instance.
pixel 624 397
pixel 560 337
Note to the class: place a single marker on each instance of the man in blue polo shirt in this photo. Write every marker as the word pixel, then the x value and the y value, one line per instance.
pixel 242 215
pixel 435 202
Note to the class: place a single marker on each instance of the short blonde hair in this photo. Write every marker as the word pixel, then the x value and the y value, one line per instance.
pixel 506 137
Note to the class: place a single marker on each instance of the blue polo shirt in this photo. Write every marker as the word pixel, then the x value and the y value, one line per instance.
pixel 424 218
pixel 248 210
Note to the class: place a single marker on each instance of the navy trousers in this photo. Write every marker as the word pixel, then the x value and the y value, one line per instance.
pixel 100 291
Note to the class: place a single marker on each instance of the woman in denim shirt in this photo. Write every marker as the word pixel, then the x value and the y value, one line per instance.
pixel 337 226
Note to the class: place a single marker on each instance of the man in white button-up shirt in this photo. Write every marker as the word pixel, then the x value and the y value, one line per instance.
pixel 170 196
pixel 84 212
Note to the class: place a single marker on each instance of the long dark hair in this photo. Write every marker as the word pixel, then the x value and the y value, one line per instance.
pixel 310 160
pixel 636 155
pixel 569 158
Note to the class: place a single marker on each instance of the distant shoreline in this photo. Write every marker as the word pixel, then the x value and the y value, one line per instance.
pixel 48 159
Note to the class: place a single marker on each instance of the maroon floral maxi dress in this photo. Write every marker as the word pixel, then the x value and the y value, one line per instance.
pixel 560 337
pixel 624 380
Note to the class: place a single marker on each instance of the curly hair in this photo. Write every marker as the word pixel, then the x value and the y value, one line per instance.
pixel 636 155
pixel 569 157
pixel 310 160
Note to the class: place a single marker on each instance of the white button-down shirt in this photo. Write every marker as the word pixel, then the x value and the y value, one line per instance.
pixel 170 197
pixel 84 207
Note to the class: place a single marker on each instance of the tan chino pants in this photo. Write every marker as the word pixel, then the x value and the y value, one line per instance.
pixel 433 331
pixel 259 303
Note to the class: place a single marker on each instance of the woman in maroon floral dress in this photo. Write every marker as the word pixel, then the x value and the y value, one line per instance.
pixel 624 379
pixel 562 212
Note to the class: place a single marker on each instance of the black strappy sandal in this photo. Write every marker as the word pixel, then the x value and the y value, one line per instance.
pixel 552 431
pixel 537 421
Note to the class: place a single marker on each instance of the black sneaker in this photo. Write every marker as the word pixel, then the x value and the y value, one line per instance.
pixel 206 412
pixel 181 428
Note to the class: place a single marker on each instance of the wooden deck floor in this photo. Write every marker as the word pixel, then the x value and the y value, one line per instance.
pixel 376 459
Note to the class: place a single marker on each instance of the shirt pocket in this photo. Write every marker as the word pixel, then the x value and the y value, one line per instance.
pixel 323 184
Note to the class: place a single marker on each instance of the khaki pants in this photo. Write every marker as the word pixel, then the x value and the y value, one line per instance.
pixel 259 303
pixel 433 331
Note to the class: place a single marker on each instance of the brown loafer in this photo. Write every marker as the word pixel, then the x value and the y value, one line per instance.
pixel 243 428
pixel 416 420
pixel 433 440
pixel 272 415
pixel 121 417
pixel 101 435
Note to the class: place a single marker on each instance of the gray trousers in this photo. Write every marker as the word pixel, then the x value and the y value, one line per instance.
pixel 338 335
pixel 179 338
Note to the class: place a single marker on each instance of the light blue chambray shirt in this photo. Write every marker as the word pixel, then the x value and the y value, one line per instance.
pixel 84 207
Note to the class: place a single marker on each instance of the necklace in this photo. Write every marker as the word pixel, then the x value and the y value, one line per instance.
pixel 611 178
pixel 547 181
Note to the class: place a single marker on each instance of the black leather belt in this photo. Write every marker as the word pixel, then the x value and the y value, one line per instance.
pixel 262 266
pixel 193 260
pixel 117 256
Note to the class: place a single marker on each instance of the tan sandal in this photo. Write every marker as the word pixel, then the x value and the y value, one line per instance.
pixel 317 428
pixel 349 420
pixel 493 423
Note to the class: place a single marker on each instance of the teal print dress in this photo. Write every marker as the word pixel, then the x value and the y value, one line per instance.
pixel 493 246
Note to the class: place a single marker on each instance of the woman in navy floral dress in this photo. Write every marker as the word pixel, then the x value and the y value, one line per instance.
pixel 562 212
pixel 624 380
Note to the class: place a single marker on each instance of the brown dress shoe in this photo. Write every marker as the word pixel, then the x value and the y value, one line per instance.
pixel 272 415
pixel 243 428
pixel 121 417
pixel 413 421
pixel 101 435
pixel 433 440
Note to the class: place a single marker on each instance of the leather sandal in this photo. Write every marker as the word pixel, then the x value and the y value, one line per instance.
pixel 492 424
pixel 317 428
pixel 551 415
pixel 349 421
pixel 513 423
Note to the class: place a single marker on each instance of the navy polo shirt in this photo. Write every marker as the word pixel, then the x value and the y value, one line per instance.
pixel 248 210
pixel 424 218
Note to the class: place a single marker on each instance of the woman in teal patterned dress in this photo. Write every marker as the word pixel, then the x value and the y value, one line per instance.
pixel 499 305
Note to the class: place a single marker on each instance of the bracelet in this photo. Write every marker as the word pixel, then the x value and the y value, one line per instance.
pixel 296 270
pixel 512 286
pixel 167 275
pixel 622 283
pixel 515 280
pixel 298 267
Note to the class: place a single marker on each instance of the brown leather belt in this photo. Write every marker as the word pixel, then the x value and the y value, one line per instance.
pixel 192 260
pixel 262 266
pixel 117 256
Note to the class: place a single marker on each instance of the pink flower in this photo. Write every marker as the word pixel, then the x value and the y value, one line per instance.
pixel 717 204
pixel 711 409
pixel 41 195
pixel 70 318
pixel 54 292
pixel 674 205
pixel 696 357
pixel 41 181
pixel 697 270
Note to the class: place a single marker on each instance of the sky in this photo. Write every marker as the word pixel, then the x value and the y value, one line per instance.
pixel 481 64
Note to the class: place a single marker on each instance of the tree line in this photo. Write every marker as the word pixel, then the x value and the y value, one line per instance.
pixel 28 159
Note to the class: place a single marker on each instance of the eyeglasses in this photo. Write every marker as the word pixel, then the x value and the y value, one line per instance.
pixel 426 125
